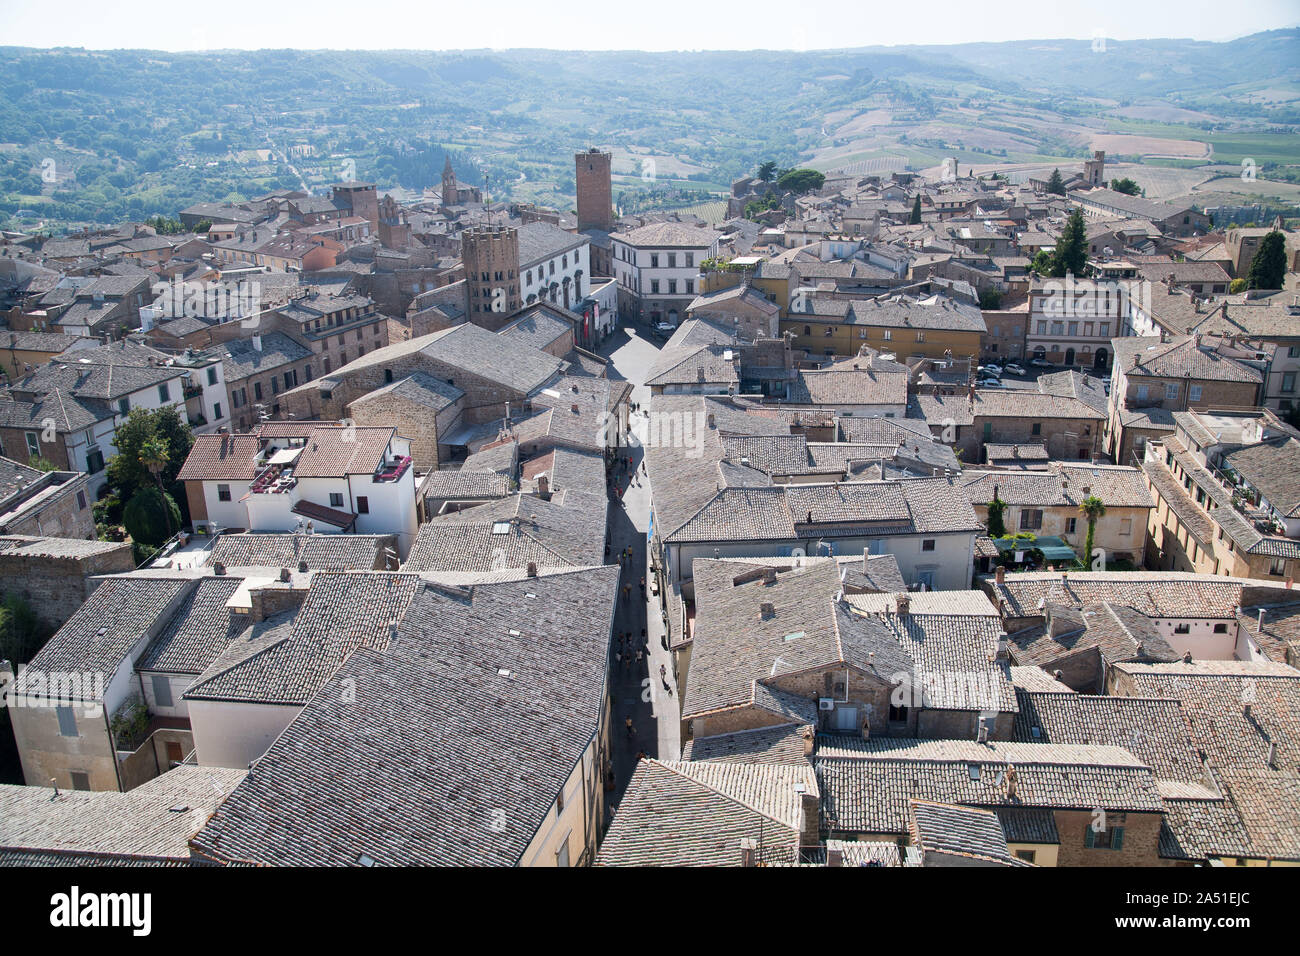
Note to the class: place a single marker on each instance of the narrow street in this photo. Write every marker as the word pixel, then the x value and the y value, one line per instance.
pixel 640 693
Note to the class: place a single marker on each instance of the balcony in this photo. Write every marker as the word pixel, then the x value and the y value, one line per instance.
pixel 393 471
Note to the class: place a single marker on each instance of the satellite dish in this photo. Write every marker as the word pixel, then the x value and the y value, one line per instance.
pixel 799 553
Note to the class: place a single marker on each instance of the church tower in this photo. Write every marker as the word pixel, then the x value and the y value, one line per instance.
pixel 449 187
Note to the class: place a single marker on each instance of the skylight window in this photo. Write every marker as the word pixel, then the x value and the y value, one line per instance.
pixel 501 527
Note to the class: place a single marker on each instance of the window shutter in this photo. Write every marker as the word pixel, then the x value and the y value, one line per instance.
pixel 1118 842
pixel 1088 836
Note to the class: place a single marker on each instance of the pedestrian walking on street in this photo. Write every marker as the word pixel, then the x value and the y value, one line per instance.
pixel 627 591
pixel 630 729
pixel 638 656
pixel 663 676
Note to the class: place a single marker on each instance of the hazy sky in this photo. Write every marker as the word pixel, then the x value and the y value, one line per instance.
pixel 620 25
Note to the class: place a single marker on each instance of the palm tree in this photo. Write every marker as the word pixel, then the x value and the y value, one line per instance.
pixel 154 456
pixel 1091 508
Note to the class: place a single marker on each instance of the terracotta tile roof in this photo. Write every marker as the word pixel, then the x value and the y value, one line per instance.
pixel 221 457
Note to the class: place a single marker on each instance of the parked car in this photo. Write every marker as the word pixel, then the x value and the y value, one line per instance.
pixel 989 383
pixel 1013 369
pixel 993 367
pixel 1040 363
pixel 665 328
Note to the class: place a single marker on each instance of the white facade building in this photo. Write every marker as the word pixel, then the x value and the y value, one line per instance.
pixel 658 268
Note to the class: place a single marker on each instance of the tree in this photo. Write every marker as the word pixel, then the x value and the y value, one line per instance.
pixel 997 508
pixel 150 516
pixel 1237 286
pixel 153 455
pixel 766 171
pixel 126 471
pixel 801 180
pixel 1071 254
pixel 916 211
pixel 1055 184
pixel 21 632
pixel 1091 508
pixel 1269 265
pixel 990 298
pixel 1042 263
pixel 1126 186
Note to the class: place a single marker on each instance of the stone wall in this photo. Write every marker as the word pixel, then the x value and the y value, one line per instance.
pixel 56 587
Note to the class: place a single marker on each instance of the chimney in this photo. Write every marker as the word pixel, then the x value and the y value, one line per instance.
pixel 766 611
pixel 902 605
pixel 866 560
pixel 302 567
pixel 532 569
pixel 810 825
pixel 1272 754
pixel 218 568
pixel 1187 657
pixel 769 575
pixel 834 857
pixel 1000 575
pixel 1011 781
pixel 699 374
pixel 284 575
pixel 543 485
pixel 257 343
pixel 809 739
pixel 748 852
